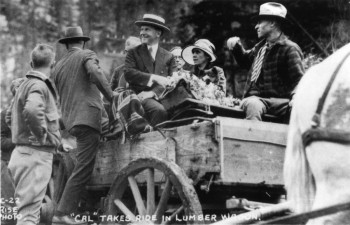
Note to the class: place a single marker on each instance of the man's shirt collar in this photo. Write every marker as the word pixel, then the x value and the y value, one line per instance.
pixel 37 74
pixel 154 49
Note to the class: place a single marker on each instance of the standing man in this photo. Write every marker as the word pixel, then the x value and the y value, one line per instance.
pixel 118 77
pixel 35 132
pixel 148 65
pixel 275 65
pixel 79 81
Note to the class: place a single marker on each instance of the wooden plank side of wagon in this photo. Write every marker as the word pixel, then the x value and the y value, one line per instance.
pixel 192 147
pixel 251 151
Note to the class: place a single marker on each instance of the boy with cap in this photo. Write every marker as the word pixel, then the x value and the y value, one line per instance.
pixel 147 67
pixel 275 65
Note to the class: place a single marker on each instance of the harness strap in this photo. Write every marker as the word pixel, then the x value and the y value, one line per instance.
pixel 317 117
pixel 322 134
pixel 316 133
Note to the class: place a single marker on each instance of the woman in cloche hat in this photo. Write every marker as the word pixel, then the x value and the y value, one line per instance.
pixel 201 55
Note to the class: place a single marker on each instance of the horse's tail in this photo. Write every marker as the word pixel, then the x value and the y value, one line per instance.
pixel 298 178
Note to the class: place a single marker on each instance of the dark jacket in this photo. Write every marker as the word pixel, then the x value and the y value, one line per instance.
pixel 281 70
pixel 79 81
pixel 34 113
pixel 7 145
pixel 139 67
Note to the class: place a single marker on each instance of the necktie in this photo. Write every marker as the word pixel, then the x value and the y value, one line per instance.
pixel 258 64
pixel 150 49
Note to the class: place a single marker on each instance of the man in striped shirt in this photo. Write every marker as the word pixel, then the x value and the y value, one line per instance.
pixel 275 65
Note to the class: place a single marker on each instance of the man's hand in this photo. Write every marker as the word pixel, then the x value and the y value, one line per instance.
pixel 231 42
pixel 160 80
pixel 66 147
pixel 145 95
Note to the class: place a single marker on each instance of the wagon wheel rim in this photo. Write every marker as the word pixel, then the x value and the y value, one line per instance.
pixel 148 204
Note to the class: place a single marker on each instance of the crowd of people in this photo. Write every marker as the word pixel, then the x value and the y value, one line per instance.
pixel 67 95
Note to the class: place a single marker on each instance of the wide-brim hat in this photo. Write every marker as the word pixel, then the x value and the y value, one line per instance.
pixel 73 33
pixel 153 20
pixel 202 44
pixel 271 10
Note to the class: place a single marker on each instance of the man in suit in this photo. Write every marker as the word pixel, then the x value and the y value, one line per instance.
pixel 79 81
pixel 148 65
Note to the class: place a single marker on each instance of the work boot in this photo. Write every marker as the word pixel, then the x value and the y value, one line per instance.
pixel 67 220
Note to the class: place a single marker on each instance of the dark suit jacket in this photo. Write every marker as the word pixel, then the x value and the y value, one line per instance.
pixel 79 81
pixel 139 67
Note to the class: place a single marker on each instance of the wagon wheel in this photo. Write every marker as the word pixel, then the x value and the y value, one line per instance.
pixel 60 172
pixel 144 202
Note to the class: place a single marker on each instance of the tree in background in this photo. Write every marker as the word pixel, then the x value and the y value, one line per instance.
pixel 320 27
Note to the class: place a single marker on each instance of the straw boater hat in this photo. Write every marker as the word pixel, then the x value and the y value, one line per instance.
pixel 271 10
pixel 153 20
pixel 202 44
pixel 73 33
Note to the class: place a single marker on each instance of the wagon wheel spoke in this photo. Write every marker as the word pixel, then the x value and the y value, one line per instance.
pixel 150 192
pixel 173 216
pixel 163 201
pixel 137 195
pixel 124 209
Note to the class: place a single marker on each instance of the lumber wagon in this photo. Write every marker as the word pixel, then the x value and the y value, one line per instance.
pixel 193 169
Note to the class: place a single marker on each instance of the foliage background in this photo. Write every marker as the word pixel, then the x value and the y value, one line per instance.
pixel 318 26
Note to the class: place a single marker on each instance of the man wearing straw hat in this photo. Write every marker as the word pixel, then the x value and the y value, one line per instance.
pixel 148 65
pixel 275 65
pixel 79 81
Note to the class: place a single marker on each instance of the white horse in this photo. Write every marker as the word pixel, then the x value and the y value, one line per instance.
pixel 318 175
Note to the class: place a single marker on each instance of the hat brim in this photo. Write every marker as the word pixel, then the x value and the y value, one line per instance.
pixel 187 54
pixel 256 18
pixel 148 23
pixel 65 40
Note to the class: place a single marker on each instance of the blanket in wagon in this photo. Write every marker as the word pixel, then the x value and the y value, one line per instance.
pixel 127 109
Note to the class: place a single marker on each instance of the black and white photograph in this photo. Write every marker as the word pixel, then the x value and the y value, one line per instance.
pixel 202 112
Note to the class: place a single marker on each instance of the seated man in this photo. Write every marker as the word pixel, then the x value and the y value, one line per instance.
pixel 147 67
pixel 275 65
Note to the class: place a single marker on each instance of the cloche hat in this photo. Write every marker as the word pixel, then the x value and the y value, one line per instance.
pixel 73 33
pixel 202 44
pixel 271 10
pixel 153 20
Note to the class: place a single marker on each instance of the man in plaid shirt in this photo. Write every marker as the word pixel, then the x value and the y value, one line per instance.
pixel 275 65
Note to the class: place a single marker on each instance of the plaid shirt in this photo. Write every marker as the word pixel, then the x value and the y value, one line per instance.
pixel 281 70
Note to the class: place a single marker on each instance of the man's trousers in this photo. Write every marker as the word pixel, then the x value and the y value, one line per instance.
pixel 31 172
pixel 255 107
pixel 88 140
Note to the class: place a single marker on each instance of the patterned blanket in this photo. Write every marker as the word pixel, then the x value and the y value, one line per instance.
pixel 127 109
